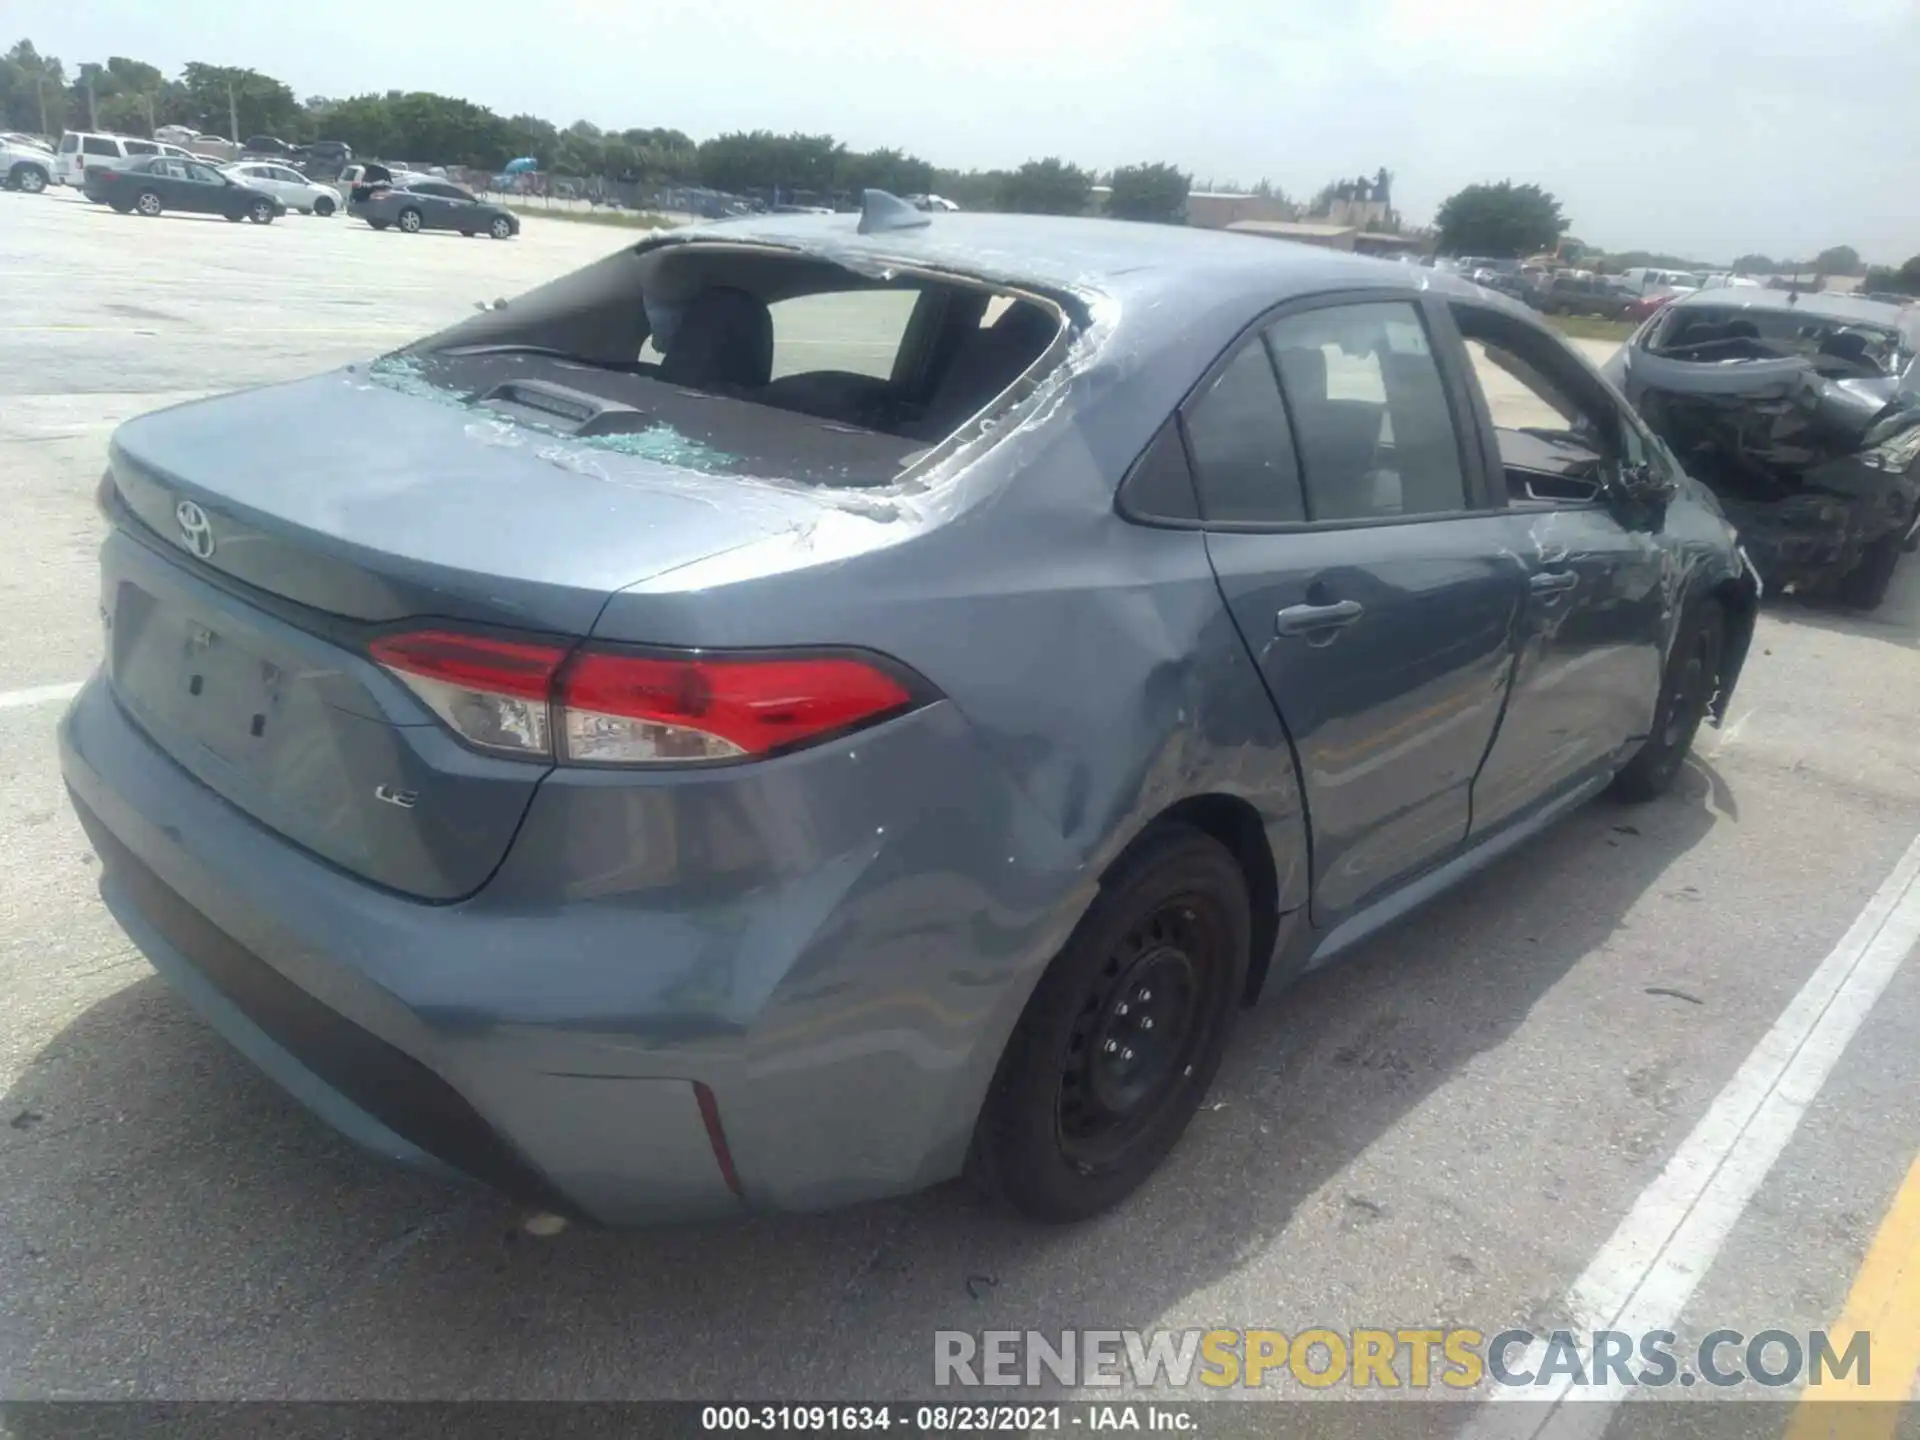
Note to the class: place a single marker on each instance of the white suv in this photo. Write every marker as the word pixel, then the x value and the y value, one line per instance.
pixel 24 167
pixel 80 148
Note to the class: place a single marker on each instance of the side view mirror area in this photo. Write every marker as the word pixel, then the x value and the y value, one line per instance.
pixel 1642 486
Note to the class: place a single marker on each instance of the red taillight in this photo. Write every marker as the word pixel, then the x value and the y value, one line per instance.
pixel 494 693
pixel 613 707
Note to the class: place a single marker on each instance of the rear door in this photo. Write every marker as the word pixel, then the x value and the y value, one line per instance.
pixel 1588 673
pixel 1371 583
pixel 168 179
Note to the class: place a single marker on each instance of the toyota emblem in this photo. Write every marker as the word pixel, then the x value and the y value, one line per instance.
pixel 196 531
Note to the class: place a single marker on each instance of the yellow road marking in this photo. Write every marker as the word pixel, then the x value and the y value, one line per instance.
pixel 1884 1303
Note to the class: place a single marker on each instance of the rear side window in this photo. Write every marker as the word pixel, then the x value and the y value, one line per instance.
pixel 98 145
pixel 1241 449
pixel 1370 414
pixel 856 331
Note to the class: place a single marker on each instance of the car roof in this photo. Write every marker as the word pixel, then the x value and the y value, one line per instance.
pixel 1126 259
pixel 1827 304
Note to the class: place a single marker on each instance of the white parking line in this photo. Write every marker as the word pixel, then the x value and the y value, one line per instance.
pixel 38 695
pixel 1643 1277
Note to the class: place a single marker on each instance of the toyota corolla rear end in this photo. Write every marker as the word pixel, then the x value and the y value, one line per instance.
pixel 415 771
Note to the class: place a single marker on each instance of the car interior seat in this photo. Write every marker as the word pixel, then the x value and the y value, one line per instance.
pixel 989 360
pixel 1426 455
pixel 723 341
pixel 1338 440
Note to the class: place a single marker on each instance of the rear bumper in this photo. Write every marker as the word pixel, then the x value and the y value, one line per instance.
pixel 836 1029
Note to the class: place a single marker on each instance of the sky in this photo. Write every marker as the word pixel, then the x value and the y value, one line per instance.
pixel 1707 128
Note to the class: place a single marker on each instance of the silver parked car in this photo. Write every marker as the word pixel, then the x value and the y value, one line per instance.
pixel 809 705
pixel 412 203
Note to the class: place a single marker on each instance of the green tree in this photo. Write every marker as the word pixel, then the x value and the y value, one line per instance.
pixel 762 160
pixel 1502 219
pixel 1047 187
pixel 33 91
pixel 1156 192
pixel 970 189
pixel 1839 260
pixel 218 95
pixel 1754 265
pixel 1891 280
pixel 894 171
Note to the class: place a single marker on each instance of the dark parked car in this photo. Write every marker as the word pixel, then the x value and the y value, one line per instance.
pixel 322 160
pixel 160 182
pixel 268 146
pixel 418 202
pixel 808 705
pixel 1594 295
pixel 1802 412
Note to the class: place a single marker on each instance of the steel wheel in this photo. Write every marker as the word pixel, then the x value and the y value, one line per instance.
pixel 1135 1032
pixel 30 179
pixel 501 227
pixel 1123 1034
pixel 410 221
pixel 147 203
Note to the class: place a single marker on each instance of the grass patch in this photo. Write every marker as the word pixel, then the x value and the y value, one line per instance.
pixel 1591 327
pixel 630 219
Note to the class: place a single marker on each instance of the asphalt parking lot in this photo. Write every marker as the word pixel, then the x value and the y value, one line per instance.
pixel 1447 1129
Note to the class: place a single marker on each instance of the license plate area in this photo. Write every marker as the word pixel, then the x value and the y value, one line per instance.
pixel 180 671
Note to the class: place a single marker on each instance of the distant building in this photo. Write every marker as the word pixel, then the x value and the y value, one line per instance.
pixel 1215 209
pixel 1332 236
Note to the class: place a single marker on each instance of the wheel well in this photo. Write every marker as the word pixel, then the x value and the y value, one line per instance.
pixel 1742 608
pixel 1236 825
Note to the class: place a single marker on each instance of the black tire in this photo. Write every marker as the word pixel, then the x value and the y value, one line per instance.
pixel 29 179
pixel 1123 1034
pixel 147 202
pixel 1692 677
pixel 501 229
pixel 323 207
pixel 379 224
pixel 261 212
pixel 1865 586
pixel 411 221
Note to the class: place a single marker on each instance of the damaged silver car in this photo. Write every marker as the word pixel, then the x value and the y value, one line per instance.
pixel 1801 412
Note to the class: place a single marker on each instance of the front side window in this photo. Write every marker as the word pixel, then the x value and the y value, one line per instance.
pixel 204 175
pixel 1370 416
pixel 1559 435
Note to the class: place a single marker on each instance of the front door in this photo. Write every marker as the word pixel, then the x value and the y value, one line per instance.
pixel 204 189
pixel 1600 586
pixel 1370 583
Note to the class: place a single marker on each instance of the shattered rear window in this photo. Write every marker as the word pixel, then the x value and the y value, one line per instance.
pixel 755 361
pixel 711 434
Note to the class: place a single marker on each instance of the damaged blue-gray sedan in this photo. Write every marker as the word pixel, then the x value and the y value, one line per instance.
pixel 682 754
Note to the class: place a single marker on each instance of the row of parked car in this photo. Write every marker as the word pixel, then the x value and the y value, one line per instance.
pixel 149 177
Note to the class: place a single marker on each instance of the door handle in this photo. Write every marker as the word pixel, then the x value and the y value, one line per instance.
pixel 1552 582
pixel 1306 619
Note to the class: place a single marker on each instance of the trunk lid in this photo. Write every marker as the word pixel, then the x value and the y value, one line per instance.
pixel 263 539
